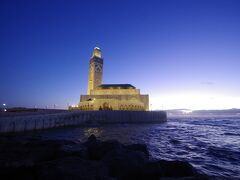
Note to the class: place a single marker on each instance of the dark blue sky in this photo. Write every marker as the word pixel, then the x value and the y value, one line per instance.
pixel 184 53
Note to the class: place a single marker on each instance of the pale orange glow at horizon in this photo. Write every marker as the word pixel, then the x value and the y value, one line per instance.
pixel 194 101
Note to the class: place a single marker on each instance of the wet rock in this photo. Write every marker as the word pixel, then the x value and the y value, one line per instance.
pixel 146 171
pixel 91 140
pixel 97 149
pixel 40 151
pixel 72 168
pixel 19 154
pixel 139 147
pixel 19 173
pixel 151 170
pixel 78 150
pixel 176 169
pixel 121 162
pixel 94 159
pixel 156 170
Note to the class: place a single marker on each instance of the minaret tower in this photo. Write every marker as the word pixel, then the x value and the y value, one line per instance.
pixel 95 70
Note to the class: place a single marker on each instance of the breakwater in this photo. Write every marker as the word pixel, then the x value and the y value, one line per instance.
pixel 45 121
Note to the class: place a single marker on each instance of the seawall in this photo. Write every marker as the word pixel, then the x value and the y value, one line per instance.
pixel 46 121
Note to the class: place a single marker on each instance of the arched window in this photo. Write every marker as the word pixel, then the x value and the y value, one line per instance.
pixel 131 107
pixel 105 106
pixel 121 107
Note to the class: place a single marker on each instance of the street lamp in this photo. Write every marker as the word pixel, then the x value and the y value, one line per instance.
pixel 4 107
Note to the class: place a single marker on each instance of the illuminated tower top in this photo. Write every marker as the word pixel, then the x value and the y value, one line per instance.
pixel 95 70
pixel 97 52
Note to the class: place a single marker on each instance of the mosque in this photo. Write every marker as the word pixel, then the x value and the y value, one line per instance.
pixel 100 96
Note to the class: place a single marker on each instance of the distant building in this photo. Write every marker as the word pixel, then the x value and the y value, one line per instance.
pixel 109 96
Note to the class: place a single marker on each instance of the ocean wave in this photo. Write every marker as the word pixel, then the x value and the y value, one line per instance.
pixel 212 145
pixel 224 153
pixel 231 134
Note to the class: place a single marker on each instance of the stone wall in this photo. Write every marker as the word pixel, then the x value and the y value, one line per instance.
pixel 115 101
pixel 46 121
pixel 113 104
pixel 145 99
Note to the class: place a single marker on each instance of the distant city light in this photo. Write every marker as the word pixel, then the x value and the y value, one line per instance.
pixel 4 104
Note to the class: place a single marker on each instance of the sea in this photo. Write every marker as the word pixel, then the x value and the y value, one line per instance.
pixel 210 144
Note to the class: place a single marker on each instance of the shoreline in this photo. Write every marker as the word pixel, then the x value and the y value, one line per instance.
pixel 60 159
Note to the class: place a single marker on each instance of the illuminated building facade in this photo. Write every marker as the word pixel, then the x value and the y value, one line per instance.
pixel 109 96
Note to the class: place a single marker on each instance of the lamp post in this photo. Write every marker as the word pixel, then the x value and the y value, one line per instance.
pixel 4 107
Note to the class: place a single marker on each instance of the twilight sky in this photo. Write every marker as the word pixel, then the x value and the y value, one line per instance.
pixel 183 53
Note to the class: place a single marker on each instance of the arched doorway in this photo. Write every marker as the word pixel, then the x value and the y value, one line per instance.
pixel 105 106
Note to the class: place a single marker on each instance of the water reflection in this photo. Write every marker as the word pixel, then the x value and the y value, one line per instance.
pixel 93 130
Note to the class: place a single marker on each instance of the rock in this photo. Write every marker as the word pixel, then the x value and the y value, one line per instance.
pixel 92 139
pixel 28 153
pixel 176 169
pixel 94 159
pixel 121 162
pixel 20 173
pixel 20 163
pixel 72 168
pixel 97 149
pixel 147 171
pixel 78 150
pixel 139 147
pixel 40 151
pixel 156 170
pixel 151 171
